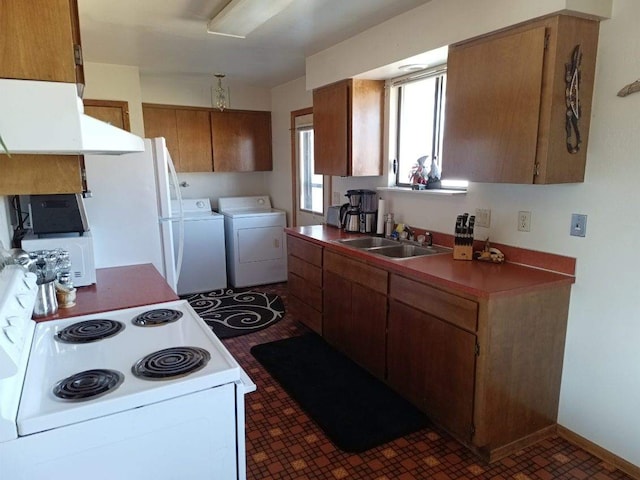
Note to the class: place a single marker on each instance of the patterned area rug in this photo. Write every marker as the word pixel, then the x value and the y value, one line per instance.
pixel 231 313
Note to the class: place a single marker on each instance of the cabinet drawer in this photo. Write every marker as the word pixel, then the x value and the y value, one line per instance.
pixel 307 251
pixel 305 314
pixel 456 310
pixel 311 273
pixel 357 272
pixel 300 288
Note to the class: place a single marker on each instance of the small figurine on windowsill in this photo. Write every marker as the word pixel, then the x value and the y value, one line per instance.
pixel 424 177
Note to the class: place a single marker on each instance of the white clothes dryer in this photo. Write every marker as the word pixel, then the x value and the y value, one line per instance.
pixel 254 235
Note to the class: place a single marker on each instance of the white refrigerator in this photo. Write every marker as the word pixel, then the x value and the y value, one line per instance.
pixel 130 213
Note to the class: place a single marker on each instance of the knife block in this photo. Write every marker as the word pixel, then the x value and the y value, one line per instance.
pixel 463 252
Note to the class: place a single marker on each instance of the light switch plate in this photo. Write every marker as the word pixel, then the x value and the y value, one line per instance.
pixel 483 217
pixel 578 225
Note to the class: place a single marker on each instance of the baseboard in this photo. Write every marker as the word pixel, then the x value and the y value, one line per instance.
pixel 605 455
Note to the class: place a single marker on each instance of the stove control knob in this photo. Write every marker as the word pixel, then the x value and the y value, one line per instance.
pixel 23 300
pixel 12 333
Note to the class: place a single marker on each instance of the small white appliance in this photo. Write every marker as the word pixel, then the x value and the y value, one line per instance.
pixel 130 213
pixel 204 259
pixel 145 392
pixel 256 247
pixel 80 248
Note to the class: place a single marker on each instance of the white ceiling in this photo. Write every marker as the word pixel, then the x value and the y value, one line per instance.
pixel 169 37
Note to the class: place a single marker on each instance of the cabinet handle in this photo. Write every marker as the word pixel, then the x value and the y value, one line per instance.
pixel 77 54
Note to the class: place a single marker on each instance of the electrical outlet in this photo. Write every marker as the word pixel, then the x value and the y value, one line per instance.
pixel 524 221
pixel 336 198
pixel 483 217
pixel 578 225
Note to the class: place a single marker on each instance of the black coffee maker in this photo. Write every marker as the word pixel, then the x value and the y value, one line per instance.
pixel 361 212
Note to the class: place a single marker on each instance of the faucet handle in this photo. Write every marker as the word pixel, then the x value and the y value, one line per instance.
pixel 423 238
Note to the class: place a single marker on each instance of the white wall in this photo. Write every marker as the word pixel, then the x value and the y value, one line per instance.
pixel 285 99
pixel 601 377
pixel 116 82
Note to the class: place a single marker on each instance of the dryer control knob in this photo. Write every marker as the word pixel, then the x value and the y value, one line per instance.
pixel 200 204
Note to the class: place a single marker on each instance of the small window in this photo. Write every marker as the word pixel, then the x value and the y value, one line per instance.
pixel 420 126
pixel 311 188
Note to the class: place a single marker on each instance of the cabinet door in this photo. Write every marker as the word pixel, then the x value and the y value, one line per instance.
pixel 194 140
pixel 493 108
pixel 37 40
pixel 113 112
pixel 367 329
pixel 432 363
pixel 241 141
pixel 40 174
pixel 336 317
pixel 161 122
pixel 331 129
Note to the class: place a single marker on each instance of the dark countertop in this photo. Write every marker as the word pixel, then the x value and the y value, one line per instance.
pixel 476 278
pixel 116 288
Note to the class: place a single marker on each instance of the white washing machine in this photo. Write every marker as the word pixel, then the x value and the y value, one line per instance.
pixel 254 234
pixel 204 258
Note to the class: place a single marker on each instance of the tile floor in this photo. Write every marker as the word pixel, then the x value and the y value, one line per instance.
pixel 284 443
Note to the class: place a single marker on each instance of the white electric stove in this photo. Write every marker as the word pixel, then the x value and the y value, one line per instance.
pixel 146 392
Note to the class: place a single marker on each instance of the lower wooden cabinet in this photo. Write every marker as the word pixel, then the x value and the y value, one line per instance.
pixel 304 265
pixel 355 311
pixel 485 368
pixel 432 363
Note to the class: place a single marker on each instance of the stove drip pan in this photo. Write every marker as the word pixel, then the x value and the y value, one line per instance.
pixel 88 385
pixel 157 317
pixel 171 363
pixel 89 331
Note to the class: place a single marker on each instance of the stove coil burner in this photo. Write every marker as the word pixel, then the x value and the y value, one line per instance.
pixel 154 318
pixel 171 363
pixel 88 385
pixel 89 331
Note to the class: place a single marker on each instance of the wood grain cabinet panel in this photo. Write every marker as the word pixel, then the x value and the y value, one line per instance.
pixel 241 141
pixel 187 133
pixel 113 112
pixel 432 363
pixel 38 40
pixel 305 282
pixel 355 311
pixel 40 174
pixel 505 119
pixel 348 125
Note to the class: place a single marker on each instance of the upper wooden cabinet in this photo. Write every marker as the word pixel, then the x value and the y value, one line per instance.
pixel 114 112
pixel 506 108
pixel 40 174
pixel 187 133
pixel 347 123
pixel 40 40
pixel 241 141
pixel 205 140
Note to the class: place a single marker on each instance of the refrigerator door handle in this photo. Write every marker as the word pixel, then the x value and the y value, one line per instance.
pixel 174 177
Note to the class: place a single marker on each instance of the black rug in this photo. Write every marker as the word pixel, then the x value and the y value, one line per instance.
pixel 355 410
pixel 231 313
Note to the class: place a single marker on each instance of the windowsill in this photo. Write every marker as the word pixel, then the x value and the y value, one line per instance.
pixel 423 192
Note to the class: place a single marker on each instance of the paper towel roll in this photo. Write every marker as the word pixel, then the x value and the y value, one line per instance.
pixel 381 213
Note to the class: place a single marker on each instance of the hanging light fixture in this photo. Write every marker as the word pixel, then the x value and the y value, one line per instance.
pixel 219 95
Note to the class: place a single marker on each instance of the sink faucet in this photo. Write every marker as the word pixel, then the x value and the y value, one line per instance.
pixel 411 235
pixel 426 238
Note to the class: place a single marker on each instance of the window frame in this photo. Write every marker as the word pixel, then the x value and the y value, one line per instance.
pixel 397 84
pixel 306 184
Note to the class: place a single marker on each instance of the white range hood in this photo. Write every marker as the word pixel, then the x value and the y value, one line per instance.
pixel 48 118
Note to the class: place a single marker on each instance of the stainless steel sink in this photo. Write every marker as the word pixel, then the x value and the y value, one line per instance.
pixel 367 242
pixel 392 249
pixel 407 251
